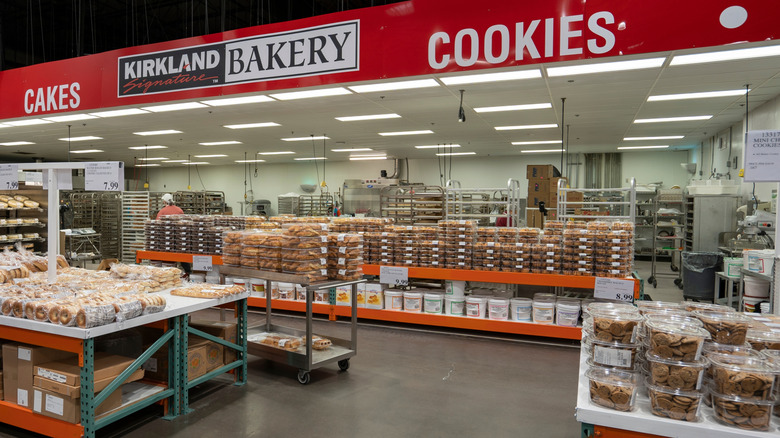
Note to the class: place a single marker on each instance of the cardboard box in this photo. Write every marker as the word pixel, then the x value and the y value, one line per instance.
pixel 1 386
pixel 68 409
pixel 541 171
pixel 157 366
pixel 344 296
pixel 550 201
pixel 107 366
pixel 19 361
pixel 554 184
pixel 574 199
pixel 533 218
pixel 75 391
pixel 223 330
pixel 538 186
pixel 10 372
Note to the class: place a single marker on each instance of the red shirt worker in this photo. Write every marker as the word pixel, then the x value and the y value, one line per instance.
pixel 169 207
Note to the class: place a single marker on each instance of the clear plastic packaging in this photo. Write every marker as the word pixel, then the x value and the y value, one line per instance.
pixel 645 306
pixel 749 414
pixel 725 328
pixel 675 404
pixel 614 354
pixel 612 389
pixel 675 374
pixel 676 341
pixel 763 339
pixel 745 377
pixel 615 327
pixel 93 316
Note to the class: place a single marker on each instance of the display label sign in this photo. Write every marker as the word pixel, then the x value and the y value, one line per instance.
pixel 33 178
pixel 202 263
pixel 394 275
pixel 762 156
pixel 614 289
pixel 9 177
pixel 64 180
pixel 104 176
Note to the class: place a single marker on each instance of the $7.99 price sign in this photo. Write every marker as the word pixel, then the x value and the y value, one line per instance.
pixel 9 177
pixel 614 289
pixel 104 176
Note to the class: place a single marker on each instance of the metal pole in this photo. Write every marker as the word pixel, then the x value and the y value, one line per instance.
pixel 53 225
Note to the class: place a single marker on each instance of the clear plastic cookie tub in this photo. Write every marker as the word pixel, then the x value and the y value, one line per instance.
pixel 748 414
pixel 746 377
pixel 614 354
pixel 612 389
pixel 645 306
pixel 610 326
pixel 676 374
pixel 725 328
pixel 671 340
pixel 675 404
pixel 763 339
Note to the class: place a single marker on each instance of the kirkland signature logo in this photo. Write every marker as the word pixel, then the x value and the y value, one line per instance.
pixel 316 50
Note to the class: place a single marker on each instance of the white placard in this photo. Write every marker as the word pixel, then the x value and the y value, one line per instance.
pixel 104 176
pixel 394 276
pixel 762 156
pixel 64 180
pixel 202 263
pixel 614 289
pixel 9 177
pixel 33 178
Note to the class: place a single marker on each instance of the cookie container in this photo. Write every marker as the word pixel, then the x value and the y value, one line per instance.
pixel 749 414
pixel 608 305
pixel 675 404
pixel 614 354
pixel 615 327
pixel 745 377
pixel 763 339
pixel 673 374
pixel 671 340
pixel 645 306
pixel 612 389
pixel 690 306
pixel 666 317
pixel 725 328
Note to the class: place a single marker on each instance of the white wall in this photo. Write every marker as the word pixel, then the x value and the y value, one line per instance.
pixel 655 166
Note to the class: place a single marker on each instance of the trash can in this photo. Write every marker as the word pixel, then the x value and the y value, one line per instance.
pixel 699 274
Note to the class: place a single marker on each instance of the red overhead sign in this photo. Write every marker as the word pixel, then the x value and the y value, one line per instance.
pixel 417 37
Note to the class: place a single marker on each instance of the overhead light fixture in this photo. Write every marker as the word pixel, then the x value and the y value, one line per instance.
pixel 393 86
pixel 154 159
pixel 175 161
pixel 250 161
pixel 237 100
pixel 325 92
pixel 27 122
pixel 378 157
pixel 390 134
pixel 368 155
pixel 148 165
pixel 368 117
pixel 644 147
pixel 315 137
pixel 605 67
pixel 309 158
pixel 511 128
pixel 70 118
pixel 144 148
pixel 461 113
pixel 437 146
pixel 86 151
pixel 522 143
pixel 194 163
pixel 726 55
pixel 252 125
pixel 659 137
pixel 119 113
pixel 16 143
pixel 277 153
pixel 174 107
pixel 673 119
pixel 491 77
pixel 161 132
pixel 352 150
pixel 530 106
pixel 219 143
pixel 211 156
pixel 84 138
pixel 446 154
pixel 701 95
pixel 541 151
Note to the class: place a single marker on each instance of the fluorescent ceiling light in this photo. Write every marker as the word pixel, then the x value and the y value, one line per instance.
pixel 219 143
pixel 352 150
pixel 237 100
pixel 148 165
pixel 378 157
pixel 368 117
pixel 726 55
pixel 161 132
pixel 530 106
pixel 194 163
pixel 252 125
pixel 644 147
pixel 368 155
pixel 310 158
pixel 701 95
pixel 659 137
pixel 437 146
pixel 604 67
pixel 174 107
pixel 175 161
pixel 392 86
pixel 673 119
pixel 84 138
pixel 277 153
pixel 119 113
pixel 314 137
pixel 211 156
pixel 27 122
pixel 492 77
pixel 4 126
pixel 154 159
pixel 541 151
pixel 510 128
pixel 520 143
pixel 325 92
pixel 390 134
pixel 146 148
pixel 16 143
pixel 250 161
pixel 455 153
pixel 70 118
pixel 86 151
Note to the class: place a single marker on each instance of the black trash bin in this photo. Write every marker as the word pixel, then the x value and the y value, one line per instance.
pixel 699 274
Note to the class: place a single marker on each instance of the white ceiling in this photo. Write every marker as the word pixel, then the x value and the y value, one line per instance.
pixel 600 110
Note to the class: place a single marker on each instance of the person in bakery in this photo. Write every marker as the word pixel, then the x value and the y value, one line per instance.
pixel 170 209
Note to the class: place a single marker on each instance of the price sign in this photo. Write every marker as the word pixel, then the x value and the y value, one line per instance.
pixel 201 263
pixel 394 276
pixel 762 156
pixel 104 176
pixel 9 177
pixel 614 289
pixel 33 178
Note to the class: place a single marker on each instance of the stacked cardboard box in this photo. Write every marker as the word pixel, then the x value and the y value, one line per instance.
pixel 542 187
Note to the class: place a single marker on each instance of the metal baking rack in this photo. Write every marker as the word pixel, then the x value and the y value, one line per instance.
pixel 315 205
pixel 135 211
pixel 485 205
pixel 412 205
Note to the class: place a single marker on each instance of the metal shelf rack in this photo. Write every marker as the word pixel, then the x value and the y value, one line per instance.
pixel 622 199
pixel 315 205
pixel 485 205
pixel 666 199
pixel 135 211
pixel 412 205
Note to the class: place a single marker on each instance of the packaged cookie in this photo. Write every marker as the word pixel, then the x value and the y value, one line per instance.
pixel 725 328
pixel 674 317
pixel 671 340
pixel 645 306
pixel 690 306
pixel 745 377
pixel 614 354
pixel 612 389
pixel 620 306
pixel 676 404
pixel 528 235
pixel 615 327
pixel 745 413
pixel 676 374
pixel 763 339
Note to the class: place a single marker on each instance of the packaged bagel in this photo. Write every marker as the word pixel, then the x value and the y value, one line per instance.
pixel 670 340
pixel 725 328
pixel 93 316
pixel 612 389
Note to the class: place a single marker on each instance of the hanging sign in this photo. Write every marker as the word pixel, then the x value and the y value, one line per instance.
pixel 614 289
pixel 104 176
pixel 9 177
pixel 762 156
pixel 394 275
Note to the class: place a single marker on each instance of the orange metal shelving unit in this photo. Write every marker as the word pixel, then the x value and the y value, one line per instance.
pixel 172 257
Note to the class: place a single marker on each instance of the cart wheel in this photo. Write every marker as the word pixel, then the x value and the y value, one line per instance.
pixel 304 377
pixel 655 283
pixel 344 364
pixel 675 268
pixel 678 282
pixel 652 281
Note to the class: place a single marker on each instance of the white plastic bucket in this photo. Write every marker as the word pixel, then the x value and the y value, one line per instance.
pixel 456 288
pixel 544 311
pixel 394 300
pixel 751 304
pixel 731 266
pixel 761 261
pixel 433 303
pixel 198 278
pixel 498 309
pixel 454 305
pixel 413 302
pixel 476 307
pixel 521 309
pixel 300 293
pixel 567 313
pixel 756 287
pixel 241 282
pixel 257 286
pixel 228 280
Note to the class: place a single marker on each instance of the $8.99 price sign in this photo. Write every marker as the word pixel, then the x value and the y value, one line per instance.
pixel 614 289
pixel 9 177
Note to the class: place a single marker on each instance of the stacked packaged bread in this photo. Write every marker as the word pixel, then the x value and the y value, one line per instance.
pixel 254 222
pixel 432 253
pixel 345 256
pixel 305 249
pixel 578 251
pixel 405 248
pixel 206 290
pixel 231 248
pixel 458 237
pixel 546 256
pixel 487 250
pixel 148 278
pixel 613 249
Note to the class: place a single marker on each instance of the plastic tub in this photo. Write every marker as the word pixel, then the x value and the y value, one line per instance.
pixel 614 354
pixel 455 306
pixel 751 304
pixel 608 306
pixel 675 404
pixel 498 309
pixel 612 389
pixel 732 410
pixel 394 300
pixel 756 287
pixel 433 303
pixel 673 374
pixel 745 377
pixel 257 286
pixel 615 327
pixel 197 278
pixel 413 302
pixel 456 288
pixel 544 311
pixel 286 291
pixel 520 309
pixel 241 282
pixel 476 307
pixel 763 339
pixel 725 328
pixel 645 306
pixel 691 306
pixel 676 341
pixel 567 313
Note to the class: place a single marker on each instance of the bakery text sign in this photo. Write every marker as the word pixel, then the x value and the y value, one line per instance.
pixel 304 52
